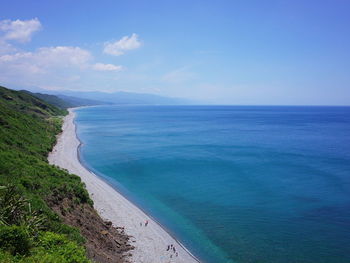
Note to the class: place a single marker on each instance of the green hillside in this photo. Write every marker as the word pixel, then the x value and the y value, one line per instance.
pixel 24 102
pixel 29 230
pixel 65 102
pixel 32 192
pixel 53 100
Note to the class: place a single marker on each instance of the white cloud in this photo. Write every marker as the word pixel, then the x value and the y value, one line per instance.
pixel 5 47
pixel 53 67
pixel 46 58
pixel 62 56
pixel 106 67
pixel 61 66
pixel 43 66
pixel 119 47
pixel 19 30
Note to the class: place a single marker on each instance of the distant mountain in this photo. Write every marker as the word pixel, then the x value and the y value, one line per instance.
pixel 64 102
pixel 76 101
pixel 121 97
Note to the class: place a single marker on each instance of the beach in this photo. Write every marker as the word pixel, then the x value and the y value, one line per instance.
pixel 151 242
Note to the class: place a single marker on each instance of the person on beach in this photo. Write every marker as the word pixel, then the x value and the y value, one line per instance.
pixel 168 248
pixel 146 223
pixel 174 249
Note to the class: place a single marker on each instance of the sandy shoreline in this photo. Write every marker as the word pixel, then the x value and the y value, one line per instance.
pixel 150 242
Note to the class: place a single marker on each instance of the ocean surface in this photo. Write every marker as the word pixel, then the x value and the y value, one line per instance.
pixel 232 183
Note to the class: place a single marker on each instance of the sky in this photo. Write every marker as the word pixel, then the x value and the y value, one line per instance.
pixel 272 52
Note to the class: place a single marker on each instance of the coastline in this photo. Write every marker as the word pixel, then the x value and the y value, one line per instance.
pixel 150 241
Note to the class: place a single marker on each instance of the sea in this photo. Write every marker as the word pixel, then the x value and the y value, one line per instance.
pixel 262 184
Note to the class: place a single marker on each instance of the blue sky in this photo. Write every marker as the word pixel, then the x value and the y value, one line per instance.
pixel 230 52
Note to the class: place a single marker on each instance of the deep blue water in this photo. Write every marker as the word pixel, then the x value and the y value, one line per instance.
pixel 234 184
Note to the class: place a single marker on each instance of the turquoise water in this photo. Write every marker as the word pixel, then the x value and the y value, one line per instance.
pixel 234 184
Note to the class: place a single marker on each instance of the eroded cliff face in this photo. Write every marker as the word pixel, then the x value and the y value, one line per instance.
pixel 105 243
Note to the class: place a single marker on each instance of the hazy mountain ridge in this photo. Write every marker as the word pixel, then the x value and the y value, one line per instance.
pixel 120 97
pixel 65 102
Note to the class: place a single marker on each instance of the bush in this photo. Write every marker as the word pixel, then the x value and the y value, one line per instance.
pixel 14 239
pixel 72 233
pixel 6 257
pixel 16 210
pixel 59 248
pixel 48 248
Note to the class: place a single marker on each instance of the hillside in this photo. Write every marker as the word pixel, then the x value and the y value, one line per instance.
pixel 24 102
pixel 65 102
pixel 46 214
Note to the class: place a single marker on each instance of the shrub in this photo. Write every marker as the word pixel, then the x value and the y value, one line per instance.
pixel 59 247
pixel 6 257
pixel 16 210
pixel 14 239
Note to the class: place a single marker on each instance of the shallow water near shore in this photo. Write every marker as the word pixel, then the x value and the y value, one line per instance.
pixel 233 184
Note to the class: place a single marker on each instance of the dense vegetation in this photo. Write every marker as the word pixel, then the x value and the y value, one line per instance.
pixel 53 100
pixel 29 229
pixel 65 102
pixel 26 103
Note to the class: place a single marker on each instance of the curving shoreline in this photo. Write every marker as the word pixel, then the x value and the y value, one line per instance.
pixel 150 242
